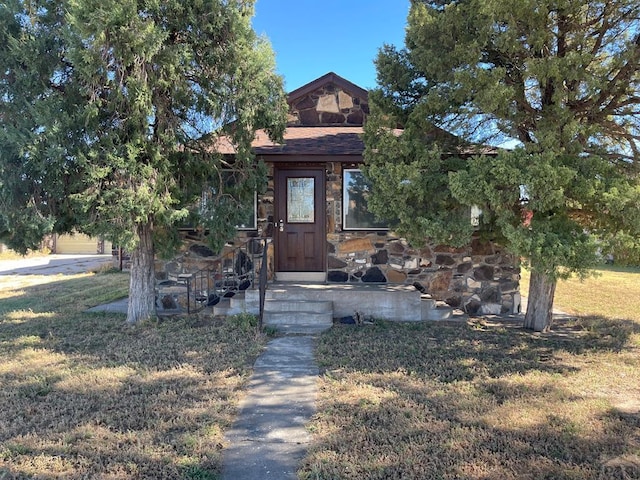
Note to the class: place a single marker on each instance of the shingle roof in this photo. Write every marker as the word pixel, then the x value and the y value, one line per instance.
pixel 339 140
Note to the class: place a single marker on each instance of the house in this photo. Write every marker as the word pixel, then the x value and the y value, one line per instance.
pixel 315 212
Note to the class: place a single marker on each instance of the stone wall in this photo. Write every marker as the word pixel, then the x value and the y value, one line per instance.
pixel 480 278
pixel 328 105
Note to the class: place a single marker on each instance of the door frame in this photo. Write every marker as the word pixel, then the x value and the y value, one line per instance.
pixel 320 216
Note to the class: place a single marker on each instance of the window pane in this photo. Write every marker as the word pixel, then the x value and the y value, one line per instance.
pixel 356 189
pixel 300 200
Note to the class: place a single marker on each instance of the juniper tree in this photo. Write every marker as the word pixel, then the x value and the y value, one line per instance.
pixel 560 77
pixel 109 114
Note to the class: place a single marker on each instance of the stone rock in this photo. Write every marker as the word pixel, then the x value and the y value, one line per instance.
pixel 508 285
pixel 309 117
pixel 356 245
pixel 425 252
pixel 201 250
pixel 356 117
pixel 440 281
pixel 490 309
pixel 328 103
pixel 397 265
pixel 305 103
pixel 168 303
pixel 374 275
pixel 418 286
pixel 396 248
pixel 337 276
pixel 334 262
pixel 395 276
pixel 344 100
pixel 331 248
pixel 380 258
pixel 444 260
pixel 473 284
pixel 458 284
pixel 465 267
pixel 358 275
pixel 484 272
pixel 481 247
pixel 448 249
pixel 490 295
pixel 472 304
pixel 329 117
pixel 493 259
pixel 411 263
pixel 453 302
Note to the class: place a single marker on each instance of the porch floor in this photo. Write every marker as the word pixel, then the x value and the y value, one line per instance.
pixel 382 301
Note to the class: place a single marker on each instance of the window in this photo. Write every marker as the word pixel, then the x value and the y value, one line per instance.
pixel 355 191
pixel 249 220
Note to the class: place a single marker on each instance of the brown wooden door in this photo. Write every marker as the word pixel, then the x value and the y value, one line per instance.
pixel 300 237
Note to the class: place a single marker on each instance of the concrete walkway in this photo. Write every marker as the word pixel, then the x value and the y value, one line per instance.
pixel 269 437
pixel 55 264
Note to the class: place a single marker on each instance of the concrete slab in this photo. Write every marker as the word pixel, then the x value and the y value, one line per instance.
pixel 119 306
pixel 54 264
pixel 269 438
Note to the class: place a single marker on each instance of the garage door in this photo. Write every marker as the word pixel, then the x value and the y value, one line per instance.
pixel 77 243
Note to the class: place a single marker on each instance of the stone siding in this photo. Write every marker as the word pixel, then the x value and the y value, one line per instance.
pixel 328 105
pixel 479 278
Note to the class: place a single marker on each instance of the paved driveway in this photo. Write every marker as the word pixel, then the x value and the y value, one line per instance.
pixel 54 264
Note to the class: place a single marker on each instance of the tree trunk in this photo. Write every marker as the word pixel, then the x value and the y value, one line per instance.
pixel 542 289
pixel 142 282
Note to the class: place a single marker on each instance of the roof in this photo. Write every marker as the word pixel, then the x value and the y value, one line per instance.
pixel 327 78
pixel 339 140
pixel 328 140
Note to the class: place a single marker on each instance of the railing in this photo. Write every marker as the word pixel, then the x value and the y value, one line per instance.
pixel 234 271
pixel 263 281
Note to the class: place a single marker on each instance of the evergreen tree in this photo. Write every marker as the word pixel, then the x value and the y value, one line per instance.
pixel 110 111
pixel 561 78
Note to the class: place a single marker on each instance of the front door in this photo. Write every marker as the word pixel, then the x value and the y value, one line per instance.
pixel 300 238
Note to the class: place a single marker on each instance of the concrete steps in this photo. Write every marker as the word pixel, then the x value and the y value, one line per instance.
pixel 312 309
pixel 434 311
pixel 298 316
pixel 231 306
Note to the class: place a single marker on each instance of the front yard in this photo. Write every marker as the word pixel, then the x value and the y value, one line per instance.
pixel 86 396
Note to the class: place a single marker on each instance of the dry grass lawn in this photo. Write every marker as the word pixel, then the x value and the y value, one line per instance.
pixel 86 396
pixel 486 399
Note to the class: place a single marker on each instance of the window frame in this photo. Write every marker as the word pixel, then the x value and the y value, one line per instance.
pixel 345 206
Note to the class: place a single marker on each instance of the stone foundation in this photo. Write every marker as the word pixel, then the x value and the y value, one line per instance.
pixel 479 275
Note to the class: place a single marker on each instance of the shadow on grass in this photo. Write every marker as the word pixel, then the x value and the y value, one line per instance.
pixel 483 400
pixel 88 396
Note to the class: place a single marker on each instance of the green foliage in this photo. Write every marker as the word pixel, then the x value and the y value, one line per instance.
pixel 624 248
pixel 110 112
pixel 243 321
pixel 560 78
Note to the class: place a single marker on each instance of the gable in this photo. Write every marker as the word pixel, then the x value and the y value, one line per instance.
pixel 328 101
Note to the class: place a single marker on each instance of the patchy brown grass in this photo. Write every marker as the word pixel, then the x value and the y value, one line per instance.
pixel 86 396
pixel 483 399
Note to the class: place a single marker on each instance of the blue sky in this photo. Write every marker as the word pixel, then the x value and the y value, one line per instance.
pixel 311 38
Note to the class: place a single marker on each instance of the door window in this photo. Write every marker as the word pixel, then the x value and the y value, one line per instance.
pixel 300 200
